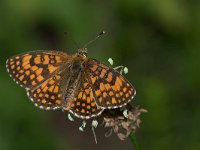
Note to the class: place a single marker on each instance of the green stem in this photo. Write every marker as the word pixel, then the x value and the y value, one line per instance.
pixel 134 141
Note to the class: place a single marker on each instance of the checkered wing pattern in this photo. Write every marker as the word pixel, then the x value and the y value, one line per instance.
pixel 40 73
pixel 110 88
pixel 84 105
pixel 33 68
pixel 49 94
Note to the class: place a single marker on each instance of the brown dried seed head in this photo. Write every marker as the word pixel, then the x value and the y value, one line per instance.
pixel 124 126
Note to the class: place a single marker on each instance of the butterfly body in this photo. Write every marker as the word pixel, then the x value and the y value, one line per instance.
pixel 76 83
pixel 75 71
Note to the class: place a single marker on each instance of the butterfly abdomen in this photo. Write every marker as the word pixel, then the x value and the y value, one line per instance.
pixel 74 81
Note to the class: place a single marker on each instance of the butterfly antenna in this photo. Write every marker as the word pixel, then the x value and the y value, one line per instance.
pixel 73 41
pixel 99 35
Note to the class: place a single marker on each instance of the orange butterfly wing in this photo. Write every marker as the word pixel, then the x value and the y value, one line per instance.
pixel 84 105
pixel 33 68
pixel 40 72
pixel 110 88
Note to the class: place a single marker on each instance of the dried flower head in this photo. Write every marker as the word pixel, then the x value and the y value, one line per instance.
pixel 123 125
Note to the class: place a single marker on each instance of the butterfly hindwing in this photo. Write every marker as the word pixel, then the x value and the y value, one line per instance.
pixel 84 105
pixel 49 94
pixel 110 88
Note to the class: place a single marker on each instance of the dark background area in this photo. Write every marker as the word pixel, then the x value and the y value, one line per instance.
pixel 158 40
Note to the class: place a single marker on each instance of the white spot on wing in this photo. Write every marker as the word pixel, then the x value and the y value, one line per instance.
pixel 86 117
pixel 41 107
pixel 47 108
pixel 7 69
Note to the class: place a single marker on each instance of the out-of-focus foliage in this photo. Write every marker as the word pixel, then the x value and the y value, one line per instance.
pixel 158 40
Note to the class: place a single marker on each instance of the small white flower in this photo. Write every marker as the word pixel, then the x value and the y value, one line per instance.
pixel 125 70
pixel 84 124
pixel 94 123
pixel 110 60
pixel 70 117
pixel 81 129
pixel 125 113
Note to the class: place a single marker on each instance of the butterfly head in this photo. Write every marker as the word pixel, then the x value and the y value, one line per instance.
pixel 82 52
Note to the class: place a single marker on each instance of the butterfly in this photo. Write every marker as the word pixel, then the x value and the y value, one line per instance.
pixel 75 83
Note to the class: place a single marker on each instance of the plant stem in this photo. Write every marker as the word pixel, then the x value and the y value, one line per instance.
pixel 134 141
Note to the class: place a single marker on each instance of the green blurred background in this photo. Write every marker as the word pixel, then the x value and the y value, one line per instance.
pixel 158 40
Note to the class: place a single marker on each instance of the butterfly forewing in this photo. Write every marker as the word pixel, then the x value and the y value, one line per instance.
pixel 110 88
pixel 41 73
pixel 33 68
pixel 84 105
